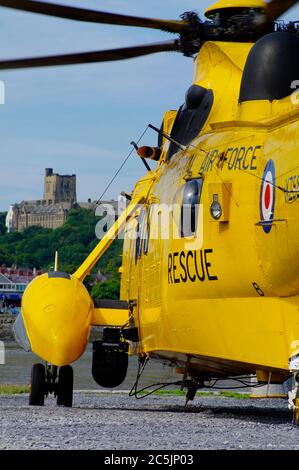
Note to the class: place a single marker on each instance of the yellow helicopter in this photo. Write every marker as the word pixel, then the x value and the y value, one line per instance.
pixel 210 270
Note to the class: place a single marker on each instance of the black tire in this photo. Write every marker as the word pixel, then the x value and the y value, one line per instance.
pixel 38 385
pixel 65 386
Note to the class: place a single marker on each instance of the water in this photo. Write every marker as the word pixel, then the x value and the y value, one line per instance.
pixel 18 363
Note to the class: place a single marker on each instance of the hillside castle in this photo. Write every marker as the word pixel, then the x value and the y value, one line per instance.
pixel 51 211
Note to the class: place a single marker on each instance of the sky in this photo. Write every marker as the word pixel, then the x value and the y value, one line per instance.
pixel 81 119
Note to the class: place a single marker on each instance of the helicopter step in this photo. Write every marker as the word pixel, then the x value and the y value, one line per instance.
pixel 49 379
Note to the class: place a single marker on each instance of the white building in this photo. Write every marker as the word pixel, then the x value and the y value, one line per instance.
pixel 11 217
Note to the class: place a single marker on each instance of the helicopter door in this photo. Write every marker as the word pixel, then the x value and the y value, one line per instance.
pixel 132 271
pixel 141 236
pixel 146 261
pixel 136 235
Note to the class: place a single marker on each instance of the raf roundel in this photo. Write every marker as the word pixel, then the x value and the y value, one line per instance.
pixel 267 196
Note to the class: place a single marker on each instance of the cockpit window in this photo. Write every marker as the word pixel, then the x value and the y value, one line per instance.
pixel 191 117
pixel 146 234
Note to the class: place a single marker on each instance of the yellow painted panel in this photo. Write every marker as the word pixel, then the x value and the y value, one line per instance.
pixel 109 317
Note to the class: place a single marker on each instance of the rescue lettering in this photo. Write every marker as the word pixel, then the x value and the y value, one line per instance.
pixel 191 266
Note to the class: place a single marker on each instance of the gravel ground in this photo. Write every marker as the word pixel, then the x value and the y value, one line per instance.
pixel 117 422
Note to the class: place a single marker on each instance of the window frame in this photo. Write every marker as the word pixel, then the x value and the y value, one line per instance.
pixel 192 207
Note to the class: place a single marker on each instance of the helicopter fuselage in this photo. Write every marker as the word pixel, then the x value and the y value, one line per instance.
pixel 226 292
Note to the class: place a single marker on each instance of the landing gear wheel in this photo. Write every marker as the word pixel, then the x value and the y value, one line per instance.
pixel 65 386
pixel 38 385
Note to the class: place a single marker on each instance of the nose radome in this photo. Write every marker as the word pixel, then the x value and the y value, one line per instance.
pixel 57 311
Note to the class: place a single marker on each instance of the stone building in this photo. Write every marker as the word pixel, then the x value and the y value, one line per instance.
pixel 52 211
pixel 59 188
pixel 49 212
pixel 29 213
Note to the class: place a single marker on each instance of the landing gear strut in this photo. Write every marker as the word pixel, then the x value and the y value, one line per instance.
pixel 46 380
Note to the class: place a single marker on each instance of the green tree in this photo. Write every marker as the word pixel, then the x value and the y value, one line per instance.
pixel 35 248
pixel 2 223
pixel 106 290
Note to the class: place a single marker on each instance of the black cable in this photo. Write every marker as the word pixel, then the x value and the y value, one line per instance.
pixel 120 168
pixel 134 391
pixel 263 180
pixel 159 387
pixel 141 366
pixel 140 370
pixel 244 384
pixel 237 388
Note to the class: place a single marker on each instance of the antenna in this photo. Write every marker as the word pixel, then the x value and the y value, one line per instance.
pixel 56 261
pixel 167 136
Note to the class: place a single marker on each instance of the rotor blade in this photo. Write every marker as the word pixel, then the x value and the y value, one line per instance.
pixel 276 8
pixel 90 57
pixel 93 16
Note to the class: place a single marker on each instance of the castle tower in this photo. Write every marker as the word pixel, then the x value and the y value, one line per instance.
pixel 59 188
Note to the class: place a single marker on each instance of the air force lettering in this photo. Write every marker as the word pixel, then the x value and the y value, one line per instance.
pixel 267 196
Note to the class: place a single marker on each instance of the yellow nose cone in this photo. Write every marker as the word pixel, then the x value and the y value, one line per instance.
pixel 223 4
pixel 57 312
